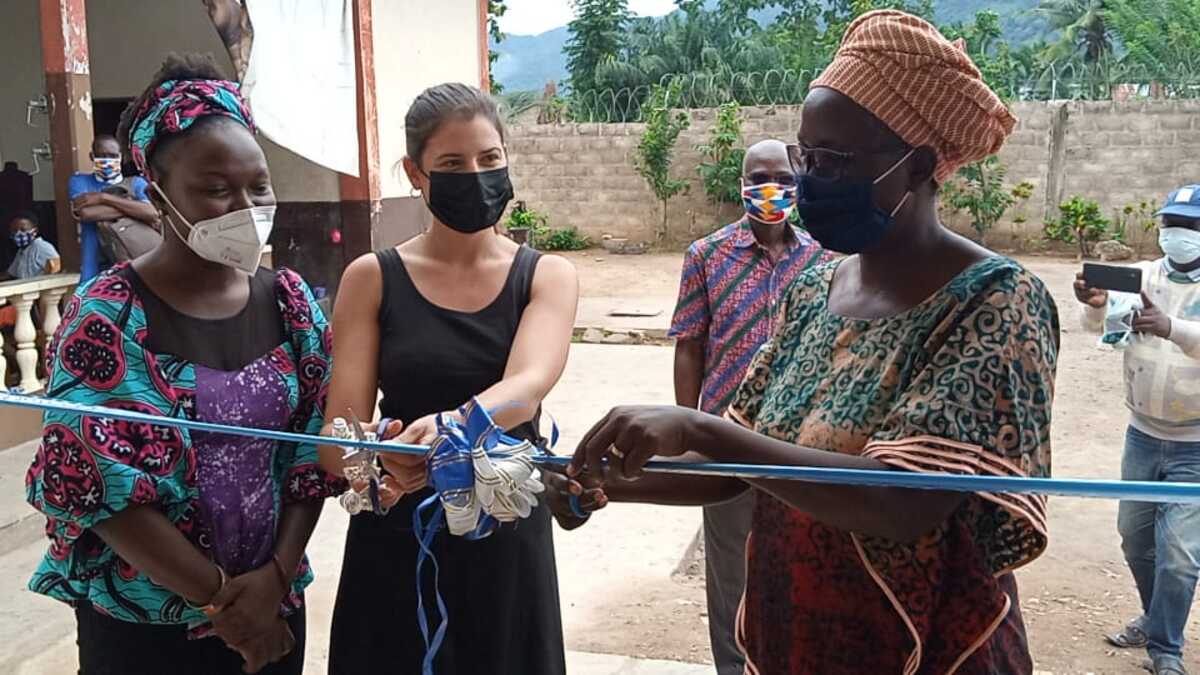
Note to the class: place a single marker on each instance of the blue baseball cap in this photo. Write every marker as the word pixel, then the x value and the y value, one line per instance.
pixel 1184 202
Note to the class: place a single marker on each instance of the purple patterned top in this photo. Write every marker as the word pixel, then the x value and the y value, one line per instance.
pixel 237 496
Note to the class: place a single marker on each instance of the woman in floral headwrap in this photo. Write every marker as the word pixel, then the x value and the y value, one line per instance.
pixel 159 536
pixel 919 351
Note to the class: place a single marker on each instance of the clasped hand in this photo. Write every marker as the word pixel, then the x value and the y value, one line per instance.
pixel 248 620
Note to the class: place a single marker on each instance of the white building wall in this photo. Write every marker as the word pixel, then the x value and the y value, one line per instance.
pixel 21 54
pixel 418 43
pixel 128 40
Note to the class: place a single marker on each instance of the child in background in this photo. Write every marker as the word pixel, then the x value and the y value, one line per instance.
pixel 35 256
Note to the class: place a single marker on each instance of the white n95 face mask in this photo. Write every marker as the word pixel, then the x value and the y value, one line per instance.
pixel 235 239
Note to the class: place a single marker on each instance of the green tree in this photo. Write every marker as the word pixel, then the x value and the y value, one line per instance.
pixel 1083 29
pixel 496 9
pixel 1005 70
pixel 809 32
pixel 597 35
pixel 656 149
pixel 979 190
pixel 696 42
pixel 721 170
pixel 1160 37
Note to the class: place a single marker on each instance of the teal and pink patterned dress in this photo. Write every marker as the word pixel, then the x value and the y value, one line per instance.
pixel 223 493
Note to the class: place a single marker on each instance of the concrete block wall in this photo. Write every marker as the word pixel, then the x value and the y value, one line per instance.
pixel 583 174
pixel 1114 153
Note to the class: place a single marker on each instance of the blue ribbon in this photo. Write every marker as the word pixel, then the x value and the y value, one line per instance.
pixel 452 476
pixel 425 530
pixel 1139 491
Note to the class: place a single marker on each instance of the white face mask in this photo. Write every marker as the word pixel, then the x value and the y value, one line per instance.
pixel 235 239
pixel 1182 245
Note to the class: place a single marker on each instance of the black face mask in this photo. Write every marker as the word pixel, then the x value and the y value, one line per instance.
pixel 469 202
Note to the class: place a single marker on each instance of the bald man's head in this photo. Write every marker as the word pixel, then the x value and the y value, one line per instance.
pixel 767 162
pixel 768 191
pixel 105 145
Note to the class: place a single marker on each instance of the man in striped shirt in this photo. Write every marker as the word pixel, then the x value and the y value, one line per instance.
pixel 732 281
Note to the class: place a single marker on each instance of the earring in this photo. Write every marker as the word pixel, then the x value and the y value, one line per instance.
pixel 414 192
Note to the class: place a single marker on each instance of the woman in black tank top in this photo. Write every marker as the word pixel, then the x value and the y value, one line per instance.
pixel 456 313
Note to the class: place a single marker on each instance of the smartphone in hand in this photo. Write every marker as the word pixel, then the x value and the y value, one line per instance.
pixel 1113 277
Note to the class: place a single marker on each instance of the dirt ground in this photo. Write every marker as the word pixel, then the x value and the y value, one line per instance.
pixel 1074 593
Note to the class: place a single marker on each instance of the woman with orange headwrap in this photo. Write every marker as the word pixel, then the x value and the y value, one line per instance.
pixel 920 351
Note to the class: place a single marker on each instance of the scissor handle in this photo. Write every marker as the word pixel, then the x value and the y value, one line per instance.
pixel 381 430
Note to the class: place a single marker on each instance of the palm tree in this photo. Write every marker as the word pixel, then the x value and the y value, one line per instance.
pixel 1083 28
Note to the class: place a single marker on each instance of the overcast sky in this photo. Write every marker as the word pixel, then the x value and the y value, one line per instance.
pixel 530 17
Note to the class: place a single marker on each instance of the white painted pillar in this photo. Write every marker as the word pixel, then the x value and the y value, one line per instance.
pixel 26 335
pixel 51 316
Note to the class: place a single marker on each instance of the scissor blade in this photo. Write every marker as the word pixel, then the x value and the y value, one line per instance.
pixel 356 423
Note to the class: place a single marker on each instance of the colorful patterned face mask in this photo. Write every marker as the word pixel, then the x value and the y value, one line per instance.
pixel 769 203
pixel 23 238
pixel 107 169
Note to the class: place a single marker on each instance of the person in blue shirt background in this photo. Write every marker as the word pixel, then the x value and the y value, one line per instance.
pixel 90 204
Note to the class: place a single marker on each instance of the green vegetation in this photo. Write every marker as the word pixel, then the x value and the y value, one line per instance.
pixel 561 239
pixel 1079 221
pixel 762 52
pixel 979 190
pixel 1159 36
pixel 721 170
pixel 1135 218
pixel 656 149
pixel 496 9
pixel 597 35
pixel 540 235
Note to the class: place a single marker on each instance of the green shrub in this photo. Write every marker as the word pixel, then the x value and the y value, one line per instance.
pixel 1133 217
pixel 1079 221
pixel 561 239
pixel 541 236
pixel 721 170
pixel 978 189
pixel 523 217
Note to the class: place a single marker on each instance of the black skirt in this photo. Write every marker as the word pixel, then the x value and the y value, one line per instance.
pixel 109 646
pixel 500 595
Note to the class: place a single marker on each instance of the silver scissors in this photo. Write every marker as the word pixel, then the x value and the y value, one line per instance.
pixel 363 465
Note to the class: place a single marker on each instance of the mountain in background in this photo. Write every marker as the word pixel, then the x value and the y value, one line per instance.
pixel 528 62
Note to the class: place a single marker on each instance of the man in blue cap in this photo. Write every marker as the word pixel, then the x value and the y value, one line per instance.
pixel 1160 334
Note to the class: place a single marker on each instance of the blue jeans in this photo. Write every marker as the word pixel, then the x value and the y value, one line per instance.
pixel 1161 541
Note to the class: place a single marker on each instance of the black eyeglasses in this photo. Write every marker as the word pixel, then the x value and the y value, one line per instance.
pixel 825 162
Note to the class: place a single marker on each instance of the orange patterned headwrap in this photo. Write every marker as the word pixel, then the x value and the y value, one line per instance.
pixel 922 86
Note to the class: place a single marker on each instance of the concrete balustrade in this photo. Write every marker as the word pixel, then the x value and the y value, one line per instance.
pixel 47 292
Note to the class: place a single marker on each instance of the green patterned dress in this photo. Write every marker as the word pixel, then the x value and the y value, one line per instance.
pixel 962 383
